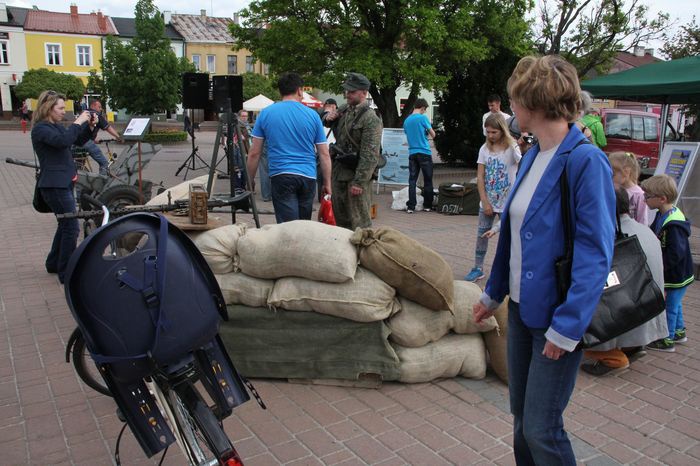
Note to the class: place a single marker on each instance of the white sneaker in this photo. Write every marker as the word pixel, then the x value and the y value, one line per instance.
pixel 409 211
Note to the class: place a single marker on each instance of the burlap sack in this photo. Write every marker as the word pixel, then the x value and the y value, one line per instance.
pixel 181 191
pixel 418 273
pixel 450 356
pixel 466 295
pixel 239 288
pixel 415 325
pixel 301 248
pixel 497 343
pixel 364 299
pixel 218 246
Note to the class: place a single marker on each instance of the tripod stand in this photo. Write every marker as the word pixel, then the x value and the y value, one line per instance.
pixel 190 162
pixel 236 173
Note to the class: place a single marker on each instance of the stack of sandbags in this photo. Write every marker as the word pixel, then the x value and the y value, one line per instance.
pixel 441 342
pixel 497 342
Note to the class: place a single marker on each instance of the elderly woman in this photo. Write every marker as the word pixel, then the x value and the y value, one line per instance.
pixel 52 141
pixel 543 331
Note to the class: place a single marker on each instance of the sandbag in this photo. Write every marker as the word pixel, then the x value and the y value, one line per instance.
pixel 415 325
pixel 300 248
pixel 180 192
pixel 497 343
pixel 239 288
pixel 450 356
pixel 364 299
pixel 218 246
pixel 417 272
pixel 466 295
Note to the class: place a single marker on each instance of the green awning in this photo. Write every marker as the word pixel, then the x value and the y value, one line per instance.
pixel 666 82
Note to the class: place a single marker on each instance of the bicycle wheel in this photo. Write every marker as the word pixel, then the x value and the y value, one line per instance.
pixel 200 435
pixel 85 367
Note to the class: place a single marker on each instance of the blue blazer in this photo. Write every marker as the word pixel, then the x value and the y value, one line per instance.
pixel 52 142
pixel 592 207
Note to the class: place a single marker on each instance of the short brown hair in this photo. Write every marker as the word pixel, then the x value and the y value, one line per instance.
pixel 661 185
pixel 421 103
pixel 44 104
pixel 549 84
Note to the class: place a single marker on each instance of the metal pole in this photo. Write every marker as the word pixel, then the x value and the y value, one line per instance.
pixel 664 121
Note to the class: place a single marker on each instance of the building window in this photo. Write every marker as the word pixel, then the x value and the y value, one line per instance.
pixel 232 64
pixel 211 63
pixel 266 69
pixel 84 55
pixel 4 54
pixel 195 62
pixel 53 54
pixel 249 64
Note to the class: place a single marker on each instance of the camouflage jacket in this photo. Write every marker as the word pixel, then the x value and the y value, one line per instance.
pixel 366 133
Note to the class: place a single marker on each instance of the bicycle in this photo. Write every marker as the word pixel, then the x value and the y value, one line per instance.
pixel 167 404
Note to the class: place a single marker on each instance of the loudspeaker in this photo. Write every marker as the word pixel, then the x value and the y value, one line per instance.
pixel 195 90
pixel 228 87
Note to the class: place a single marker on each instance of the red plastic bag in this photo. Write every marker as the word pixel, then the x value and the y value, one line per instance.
pixel 325 211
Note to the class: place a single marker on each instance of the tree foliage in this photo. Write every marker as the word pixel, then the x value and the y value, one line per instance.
pixel 589 33
pixel 686 43
pixel 96 85
pixel 36 81
pixel 255 83
pixel 463 102
pixel 394 43
pixel 144 76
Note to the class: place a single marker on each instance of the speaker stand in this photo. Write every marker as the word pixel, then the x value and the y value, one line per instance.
pixel 190 162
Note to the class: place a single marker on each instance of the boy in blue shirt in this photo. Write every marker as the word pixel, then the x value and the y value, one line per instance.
pixel 673 230
pixel 417 128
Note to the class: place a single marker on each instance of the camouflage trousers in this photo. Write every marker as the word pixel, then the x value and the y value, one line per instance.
pixel 351 211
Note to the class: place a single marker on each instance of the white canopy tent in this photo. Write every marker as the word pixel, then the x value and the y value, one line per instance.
pixel 257 103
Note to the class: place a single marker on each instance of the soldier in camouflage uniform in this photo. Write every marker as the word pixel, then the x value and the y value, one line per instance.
pixel 358 129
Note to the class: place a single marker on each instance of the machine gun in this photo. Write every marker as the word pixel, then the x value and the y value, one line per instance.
pixel 236 202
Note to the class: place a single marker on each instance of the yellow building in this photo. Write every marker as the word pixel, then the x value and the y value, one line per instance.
pixel 69 43
pixel 209 45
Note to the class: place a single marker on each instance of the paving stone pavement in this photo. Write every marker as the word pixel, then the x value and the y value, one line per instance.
pixel 649 414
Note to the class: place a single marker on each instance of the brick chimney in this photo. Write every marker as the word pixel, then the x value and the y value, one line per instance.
pixel 101 21
pixel 639 50
pixel 203 13
pixel 167 17
pixel 236 18
pixel 649 51
pixel 74 10
pixel 3 13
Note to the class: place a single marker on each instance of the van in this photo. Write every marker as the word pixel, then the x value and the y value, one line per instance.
pixel 636 132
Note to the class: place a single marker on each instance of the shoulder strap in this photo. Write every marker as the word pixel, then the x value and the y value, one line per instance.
pixel 352 126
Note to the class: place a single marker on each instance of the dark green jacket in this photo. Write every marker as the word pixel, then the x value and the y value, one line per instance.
pixel 361 134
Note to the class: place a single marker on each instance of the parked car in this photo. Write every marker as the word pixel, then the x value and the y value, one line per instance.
pixel 636 132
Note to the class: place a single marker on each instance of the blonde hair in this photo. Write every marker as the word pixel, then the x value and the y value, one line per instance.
pixel 496 121
pixel 626 160
pixel 47 100
pixel 549 84
pixel 661 185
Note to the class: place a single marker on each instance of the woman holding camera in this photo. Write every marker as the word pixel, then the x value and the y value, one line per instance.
pixel 543 331
pixel 52 141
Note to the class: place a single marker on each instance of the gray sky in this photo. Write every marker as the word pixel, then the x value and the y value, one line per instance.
pixel 680 10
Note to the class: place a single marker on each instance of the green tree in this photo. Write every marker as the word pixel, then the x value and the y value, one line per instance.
pixel 36 81
pixel 686 43
pixel 589 33
pixel 394 43
pixel 96 86
pixel 255 83
pixel 144 76
pixel 463 102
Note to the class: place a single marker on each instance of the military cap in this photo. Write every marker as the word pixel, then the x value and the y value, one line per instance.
pixel 331 101
pixel 356 82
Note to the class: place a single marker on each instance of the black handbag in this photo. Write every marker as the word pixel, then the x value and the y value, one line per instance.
pixel 38 201
pixel 630 296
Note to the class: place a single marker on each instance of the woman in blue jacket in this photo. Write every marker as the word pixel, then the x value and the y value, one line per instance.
pixel 52 141
pixel 542 331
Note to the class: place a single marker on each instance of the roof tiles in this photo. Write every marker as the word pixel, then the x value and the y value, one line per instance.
pixel 201 28
pixel 88 24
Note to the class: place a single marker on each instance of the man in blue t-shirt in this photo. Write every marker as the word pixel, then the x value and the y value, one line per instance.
pixel 293 133
pixel 417 128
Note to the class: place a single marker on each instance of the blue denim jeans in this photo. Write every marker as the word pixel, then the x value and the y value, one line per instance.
pixel 292 197
pixel 674 309
pixel 540 389
pixel 263 170
pixel 96 154
pixel 482 244
pixel 61 200
pixel 420 163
